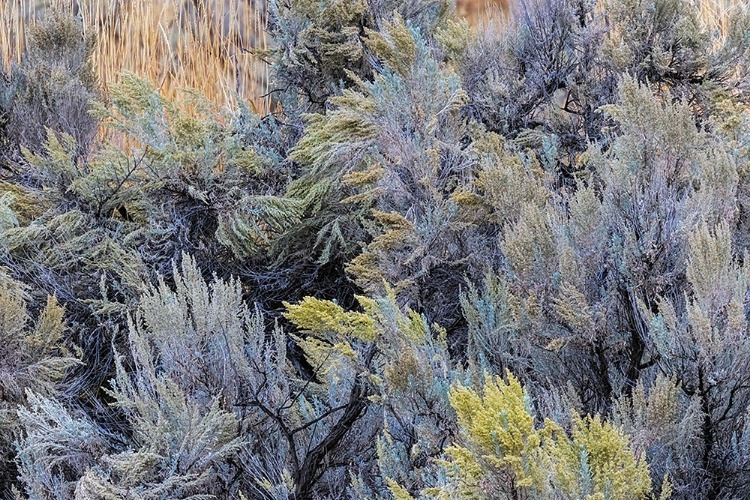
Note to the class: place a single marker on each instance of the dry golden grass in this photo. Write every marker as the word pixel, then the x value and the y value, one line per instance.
pixel 716 14
pixel 208 45
pixel 481 12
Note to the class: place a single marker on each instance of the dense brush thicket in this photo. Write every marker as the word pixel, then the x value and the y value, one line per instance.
pixel 512 264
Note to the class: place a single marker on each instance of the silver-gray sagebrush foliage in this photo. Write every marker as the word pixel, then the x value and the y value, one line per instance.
pixel 454 263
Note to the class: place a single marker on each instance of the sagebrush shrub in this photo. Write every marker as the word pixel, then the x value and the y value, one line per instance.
pixel 322 302
pixel 53 87
pixel 34 358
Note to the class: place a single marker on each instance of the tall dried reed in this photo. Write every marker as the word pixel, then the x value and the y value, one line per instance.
pixel 481 12
pixel 209 45
pixel 717 14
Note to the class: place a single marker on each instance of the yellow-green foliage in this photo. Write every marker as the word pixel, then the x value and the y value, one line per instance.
pixel 597 462
pixel 398 492
pixel 395 46
pixel 498 424
pixel 30 357
pixel 505 454
pixel 381 321
pixel 320 316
